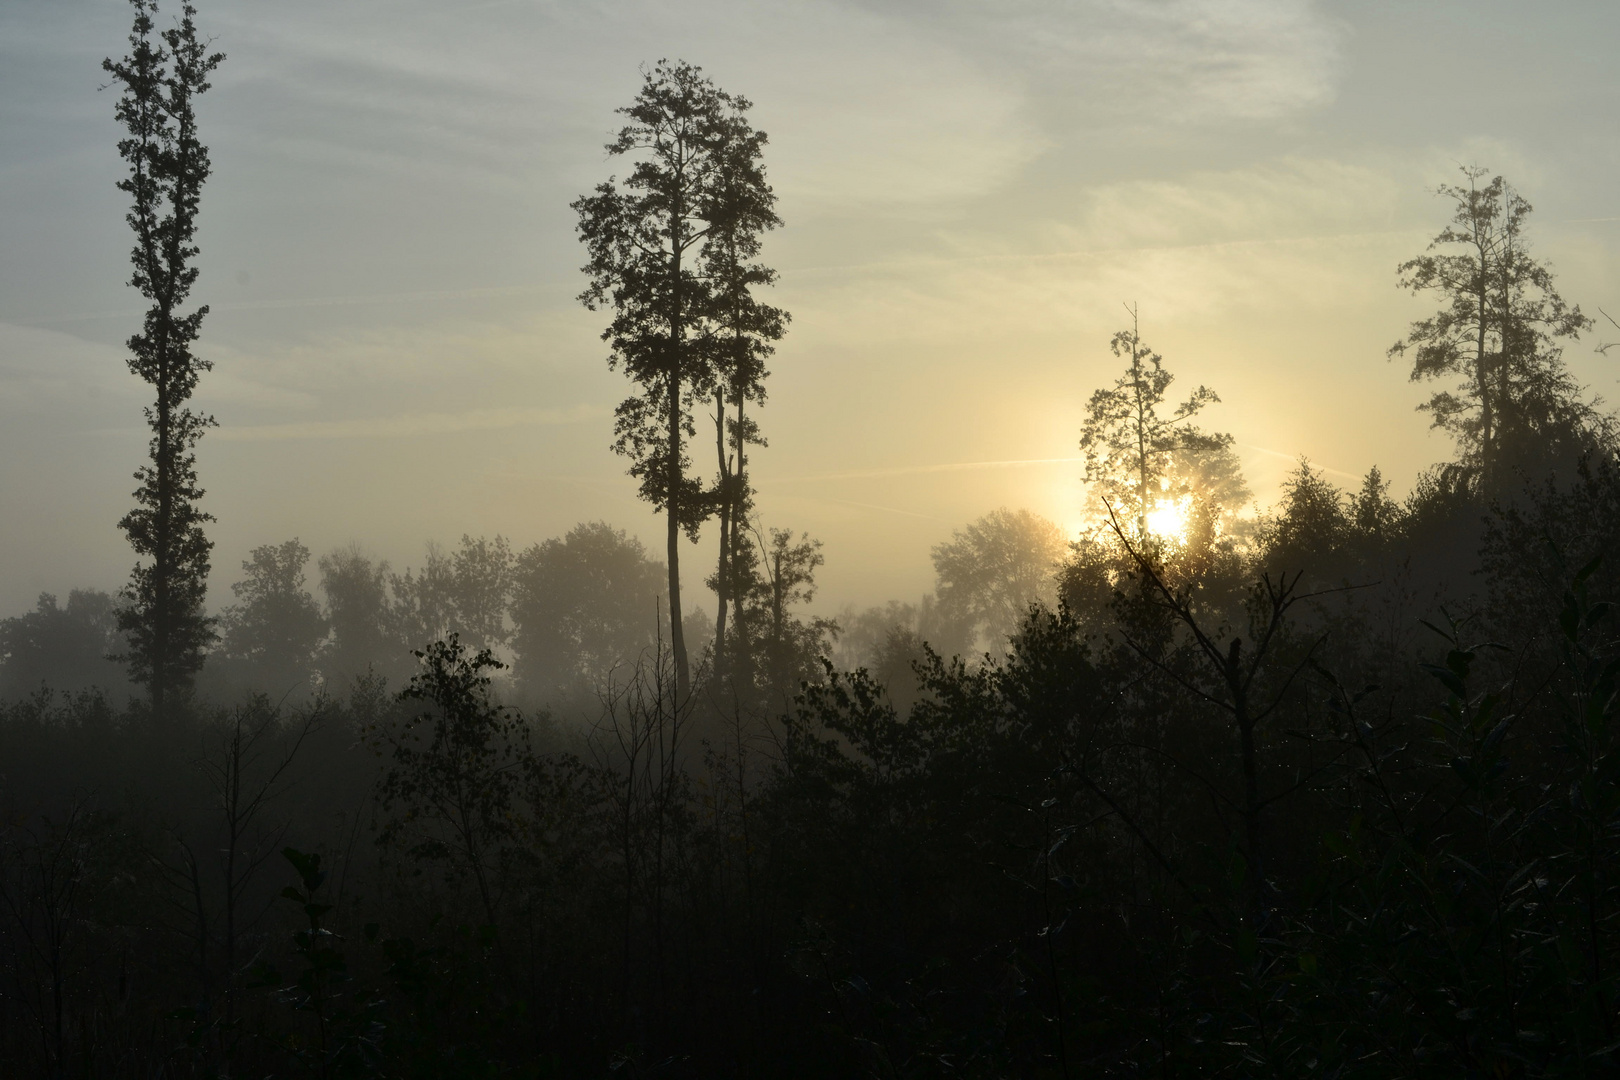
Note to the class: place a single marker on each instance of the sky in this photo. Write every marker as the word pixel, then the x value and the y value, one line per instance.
pixel 972 193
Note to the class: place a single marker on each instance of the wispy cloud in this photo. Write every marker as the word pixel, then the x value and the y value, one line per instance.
pixel 408 425
pixel 1151 61
pixel 293 303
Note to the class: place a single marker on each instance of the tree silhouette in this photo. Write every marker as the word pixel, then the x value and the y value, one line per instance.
pixel 1373 514
pixel 364 630
pixel 62 647
pixel 695 174
pixel 1311 522
pixel 989 573
pixel 783 647
pixel 464 591
pixel 163 603
pixel 1497 332
pixel 583 605
pixel 1137 459
pixel 745 332
pixel 275 623
pixel 451 792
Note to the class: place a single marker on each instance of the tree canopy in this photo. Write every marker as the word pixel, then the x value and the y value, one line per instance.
pixel 163 614
pixel 670 252
pixel 1513 405
pixel 1158 471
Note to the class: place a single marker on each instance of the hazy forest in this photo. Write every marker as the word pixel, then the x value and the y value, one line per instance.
pixel 1326 788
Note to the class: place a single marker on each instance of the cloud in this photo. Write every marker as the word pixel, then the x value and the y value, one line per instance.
pixel 408 425
pixel 1112 62
pixel 49 373
pixel 1275 239
pixel 861 107
pixel 1283 199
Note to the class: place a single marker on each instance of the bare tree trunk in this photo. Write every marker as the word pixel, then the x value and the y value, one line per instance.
pixel 723 571
pixel 741 645
pixel 1487 417
pixel 677 639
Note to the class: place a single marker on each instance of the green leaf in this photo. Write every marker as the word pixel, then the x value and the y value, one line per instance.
pixel 1457 687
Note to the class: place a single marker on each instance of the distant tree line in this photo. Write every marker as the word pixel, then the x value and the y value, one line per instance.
pixel 573 615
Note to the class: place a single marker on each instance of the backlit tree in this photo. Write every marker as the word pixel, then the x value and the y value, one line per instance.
pixel 648 237
pixel 163 612
pixel 1497 334
pixel 1164 478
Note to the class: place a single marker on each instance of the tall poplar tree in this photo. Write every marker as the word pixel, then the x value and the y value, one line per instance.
pixel 648 237
pixel 162 611
pixel 1497 334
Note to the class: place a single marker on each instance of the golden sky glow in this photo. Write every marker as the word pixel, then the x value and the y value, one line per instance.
pixel 971 192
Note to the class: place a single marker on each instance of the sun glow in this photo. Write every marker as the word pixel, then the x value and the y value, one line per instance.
pixel 1167 520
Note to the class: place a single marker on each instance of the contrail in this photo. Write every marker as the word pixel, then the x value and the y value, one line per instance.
pixel 912 470
pixel 1295 457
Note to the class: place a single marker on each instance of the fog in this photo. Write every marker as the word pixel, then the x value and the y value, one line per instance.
pixel 835 538
pixel 969 196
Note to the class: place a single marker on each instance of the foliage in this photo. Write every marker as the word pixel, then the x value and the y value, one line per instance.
pixel 1138 460
pixel 1343 802
pixel 679 307
pixel 1515 404
pixel 782 648
pixel 450 794
pixel 584 606
pixel 66 648
pixel 275 624
pixel 1213 838
pixel 464 592
pixel 163 603
pixel 364 637
pixel 990 572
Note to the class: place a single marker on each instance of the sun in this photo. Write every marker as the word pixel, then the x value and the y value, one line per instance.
pixel 1167 519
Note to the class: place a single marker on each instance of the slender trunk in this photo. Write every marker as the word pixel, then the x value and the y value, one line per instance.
pixel 162 570
pixel 472 842
pixel 1507 343
pixel 778 611
pixel 1141 433
pixel 677 345
pixel 677 639
pixel 664 782
pixel 1251 802
pixel 723 571
pixel 740 647
pixel 1487 434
